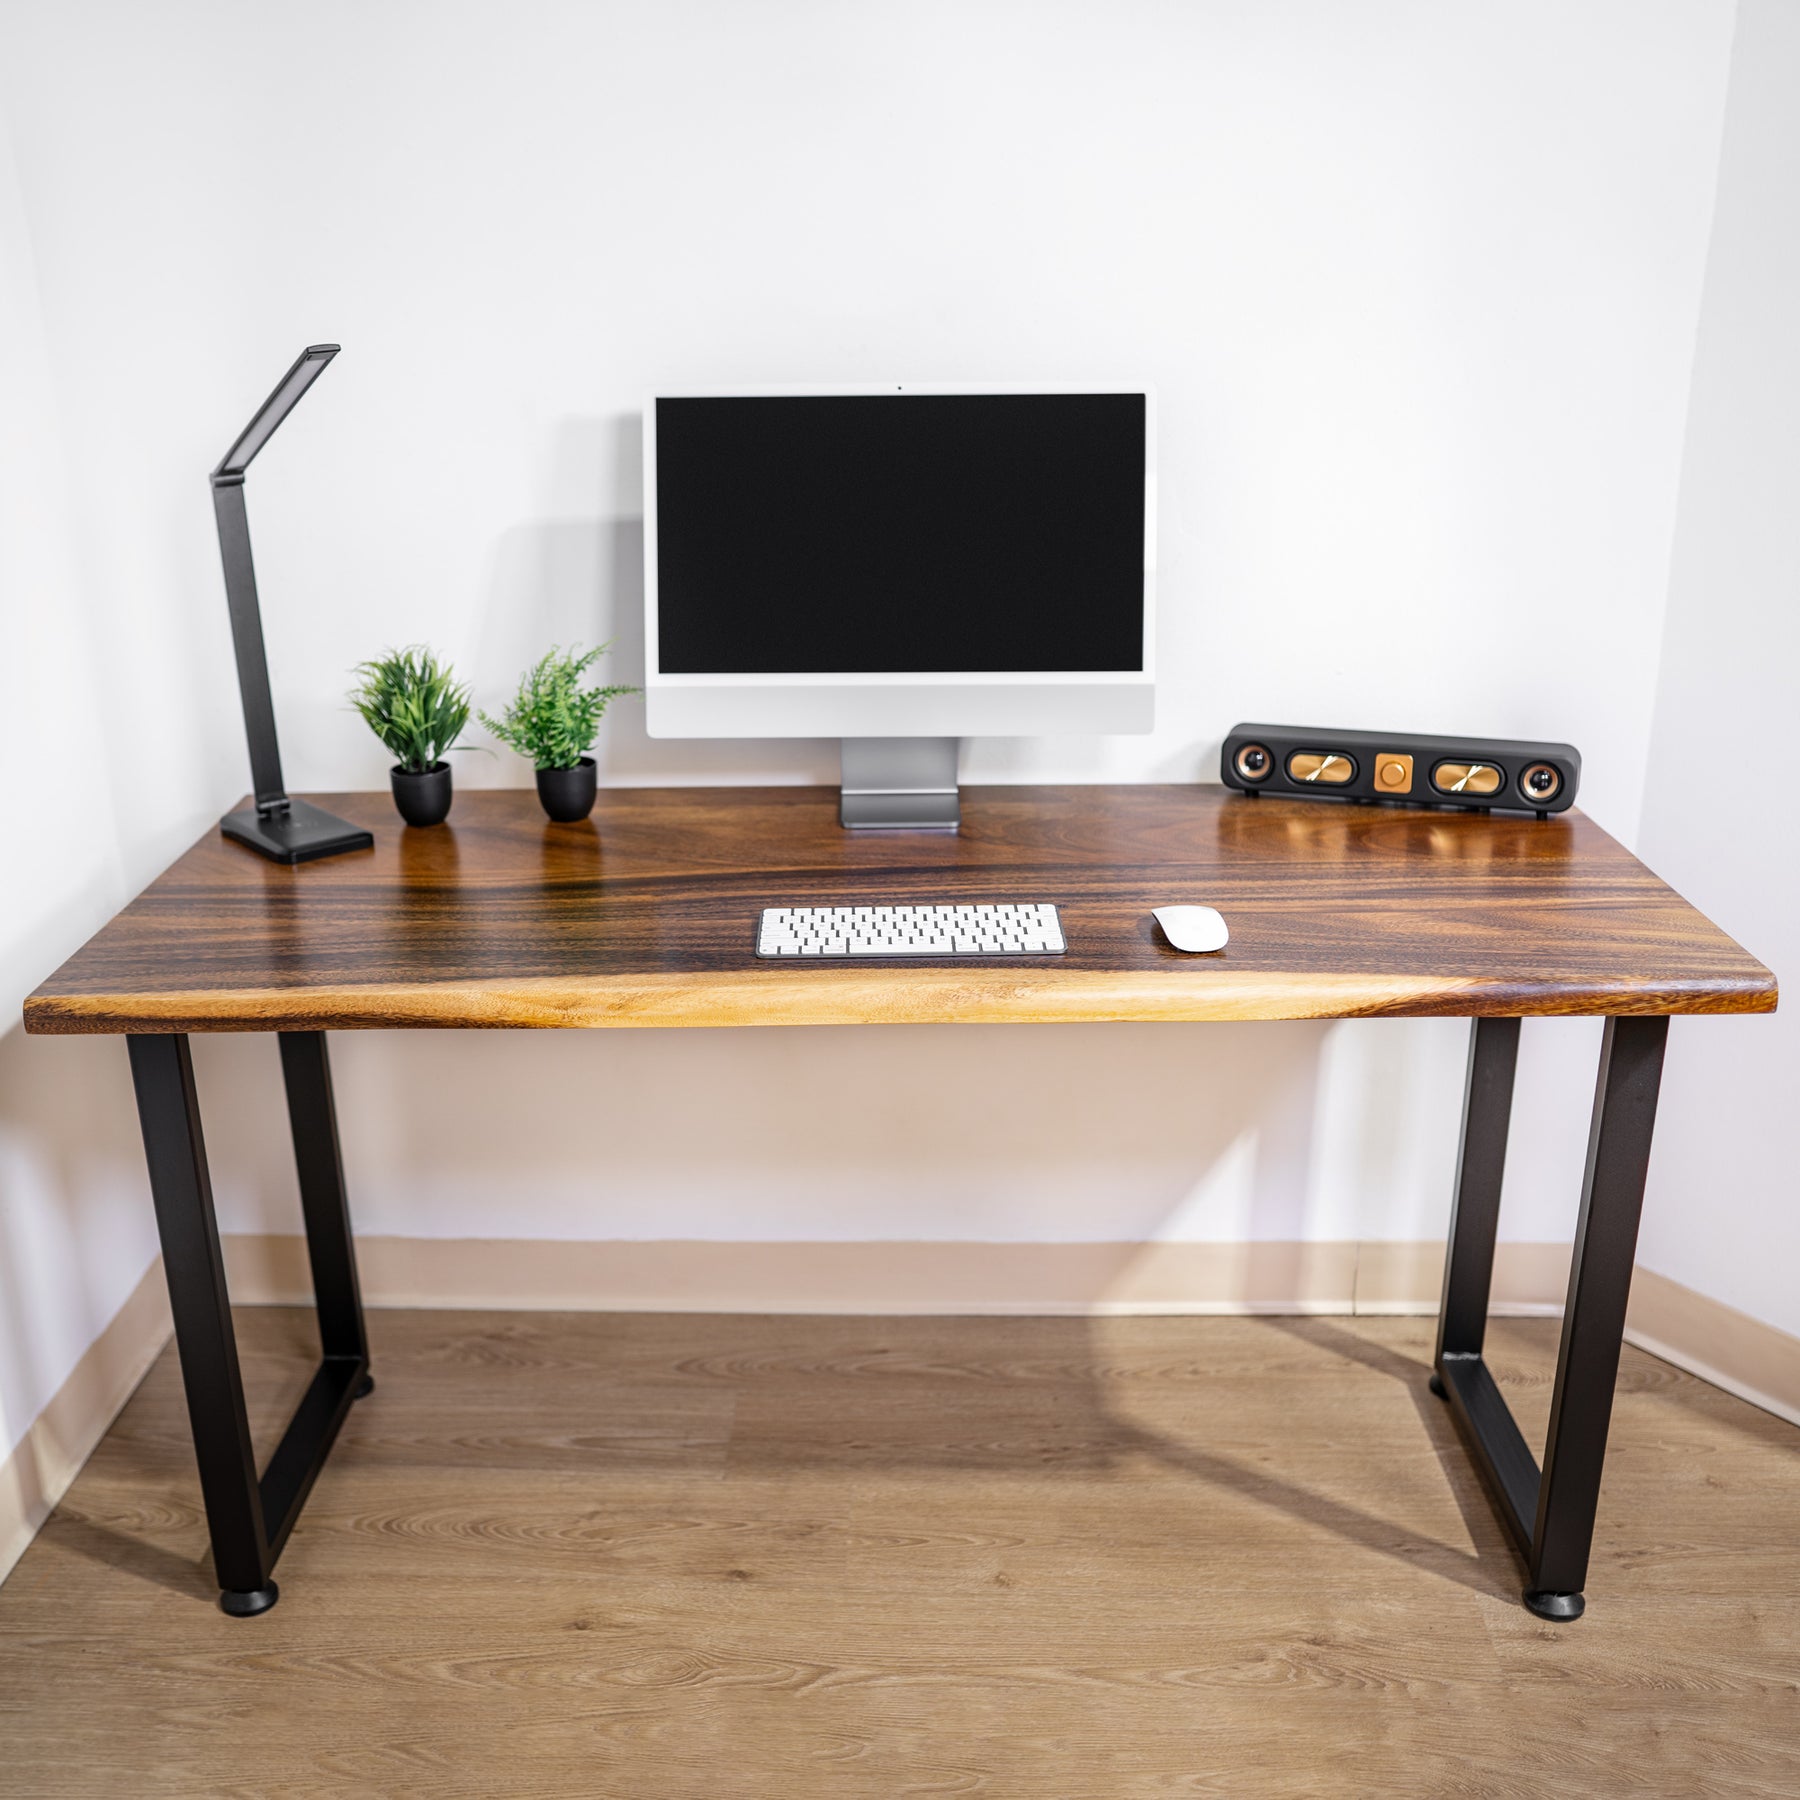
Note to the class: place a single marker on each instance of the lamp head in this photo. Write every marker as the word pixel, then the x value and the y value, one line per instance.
pixel 309 366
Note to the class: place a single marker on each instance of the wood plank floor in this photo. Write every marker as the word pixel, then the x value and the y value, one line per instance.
pixel 635 1556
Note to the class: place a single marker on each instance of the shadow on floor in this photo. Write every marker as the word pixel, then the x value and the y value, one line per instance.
pixel 70 1530
pixel 621 1397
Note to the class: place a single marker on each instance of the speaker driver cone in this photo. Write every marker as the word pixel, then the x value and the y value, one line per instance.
pixel 1540 784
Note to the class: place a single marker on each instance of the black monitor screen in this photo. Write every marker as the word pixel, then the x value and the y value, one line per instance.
pixel 930 533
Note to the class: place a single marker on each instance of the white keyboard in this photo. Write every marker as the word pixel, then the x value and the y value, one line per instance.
pixel 910 931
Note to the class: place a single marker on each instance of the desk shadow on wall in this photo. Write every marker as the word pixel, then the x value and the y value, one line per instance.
pixel 581 581
pixel 1108 1135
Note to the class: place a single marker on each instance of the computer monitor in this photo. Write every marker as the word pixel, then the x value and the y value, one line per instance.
pixel 899 568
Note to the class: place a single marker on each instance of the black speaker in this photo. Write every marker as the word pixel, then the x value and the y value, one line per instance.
pixel 1481 773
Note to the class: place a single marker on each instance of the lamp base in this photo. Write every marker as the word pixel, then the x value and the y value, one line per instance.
pixel 301 834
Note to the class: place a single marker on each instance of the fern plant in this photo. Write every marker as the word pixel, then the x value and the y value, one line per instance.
pixel 553 719
pixel 414 704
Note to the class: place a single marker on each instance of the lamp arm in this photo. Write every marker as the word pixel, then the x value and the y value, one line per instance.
pixel 240 574
pixel 247 641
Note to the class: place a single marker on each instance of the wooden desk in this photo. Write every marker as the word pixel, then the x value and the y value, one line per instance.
pixel 646 916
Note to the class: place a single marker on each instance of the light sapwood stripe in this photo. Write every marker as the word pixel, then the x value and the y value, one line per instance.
pixel 833 996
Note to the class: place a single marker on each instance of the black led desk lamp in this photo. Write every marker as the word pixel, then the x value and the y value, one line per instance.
pixel 285 830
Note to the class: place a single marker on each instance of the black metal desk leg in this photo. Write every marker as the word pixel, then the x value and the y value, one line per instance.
pixel 1550 1517
pixel 1587 1367
pixel 163 1071
pixel 249 1519
pixel 1475 1210
pixel 313 1115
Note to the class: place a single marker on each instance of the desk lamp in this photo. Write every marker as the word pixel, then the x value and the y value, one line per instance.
pixel 282 829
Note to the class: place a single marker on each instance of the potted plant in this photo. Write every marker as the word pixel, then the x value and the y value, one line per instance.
pixel 414 704
pixel 553 719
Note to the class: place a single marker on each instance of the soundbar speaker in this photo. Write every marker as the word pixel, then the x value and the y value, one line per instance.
pixel 1476 773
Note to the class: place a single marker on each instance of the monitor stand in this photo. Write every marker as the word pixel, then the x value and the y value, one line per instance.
pixel 900 784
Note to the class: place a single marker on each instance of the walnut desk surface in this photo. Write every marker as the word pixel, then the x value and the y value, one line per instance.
pixel 646 914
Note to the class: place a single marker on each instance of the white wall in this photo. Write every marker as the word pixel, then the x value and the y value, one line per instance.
pixel 75 1231
pixel 1417 285
pixel 1723 1210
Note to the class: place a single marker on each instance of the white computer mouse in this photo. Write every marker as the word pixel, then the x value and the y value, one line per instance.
pixel 1196 928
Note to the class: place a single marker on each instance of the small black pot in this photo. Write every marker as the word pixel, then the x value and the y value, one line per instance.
pixel 568 794
pixel 423 799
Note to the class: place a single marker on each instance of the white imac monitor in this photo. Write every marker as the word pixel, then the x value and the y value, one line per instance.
pixel 899 568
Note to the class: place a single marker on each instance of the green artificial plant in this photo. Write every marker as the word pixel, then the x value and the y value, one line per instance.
pixel 414 704
pixel 553 719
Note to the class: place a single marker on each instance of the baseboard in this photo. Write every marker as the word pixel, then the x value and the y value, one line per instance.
pixel 898 1278
pixel 1730 1349
pixel 62 1437
pixel 1755 1361
pixel 1529 1280
pixel 891 1278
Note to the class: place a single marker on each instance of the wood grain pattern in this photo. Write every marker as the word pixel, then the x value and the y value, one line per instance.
pixel 710 1558
pixel 646 915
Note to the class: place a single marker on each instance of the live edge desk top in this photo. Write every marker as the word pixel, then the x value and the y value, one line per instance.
pixel 646 916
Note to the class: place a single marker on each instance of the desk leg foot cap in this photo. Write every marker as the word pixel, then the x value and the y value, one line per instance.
pixel 1560 1607
pixel 1436 1384
pixel 248 1604
pixel 364 1388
